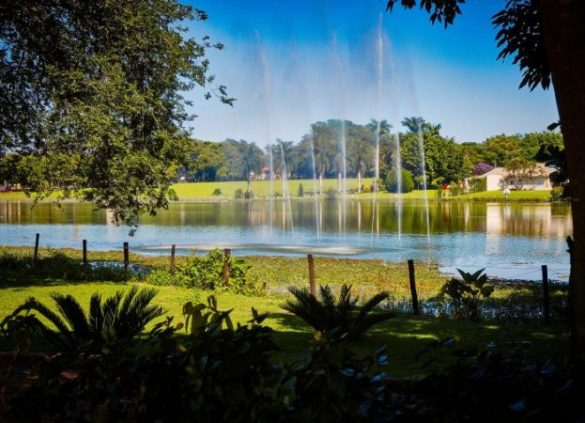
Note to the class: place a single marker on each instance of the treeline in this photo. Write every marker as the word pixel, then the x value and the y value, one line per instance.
pixel 445 160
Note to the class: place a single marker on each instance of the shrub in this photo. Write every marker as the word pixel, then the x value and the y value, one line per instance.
pixel 336 320
pixel 556 194
pixel 58 265
pixel 216 192
pixel 466 293
pixel 207 273
pixel 120 318
pixel 477 184
pixel 300 191
pixel 239 194
pixel 248 195
pixel 391 182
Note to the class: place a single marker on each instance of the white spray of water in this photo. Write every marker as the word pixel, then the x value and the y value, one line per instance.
pixel 286 189
pixel 423 169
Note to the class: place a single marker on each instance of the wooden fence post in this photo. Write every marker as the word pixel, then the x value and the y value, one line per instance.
pixel 126 256
pixel 545 294
pixel 226 266
pixel 312 286
pixel 36 254
pixel 172 265
pixel 84 242
pixel 413 293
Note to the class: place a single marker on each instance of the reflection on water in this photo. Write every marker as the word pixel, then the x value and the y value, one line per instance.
pixel 464 234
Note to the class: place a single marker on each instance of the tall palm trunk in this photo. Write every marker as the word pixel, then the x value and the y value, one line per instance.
pixel 564 30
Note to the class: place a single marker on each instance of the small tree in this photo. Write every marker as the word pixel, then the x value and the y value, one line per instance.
pixel 391 182
pixel 466 293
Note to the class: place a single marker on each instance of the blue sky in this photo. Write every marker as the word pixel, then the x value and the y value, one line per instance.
pixel 289 63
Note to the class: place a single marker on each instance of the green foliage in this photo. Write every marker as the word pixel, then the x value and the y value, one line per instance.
pixel 118 319
pixel 216 192
pixel 335 321
pixel 206 272
pixel 557 194
pixel 102 86
pixel 57 264
pixel 477 184
pixel 494 384
pixel 466 293
pixel 392 183
pixel 239 194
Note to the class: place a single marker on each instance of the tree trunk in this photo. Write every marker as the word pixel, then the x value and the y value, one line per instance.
pixel 564 31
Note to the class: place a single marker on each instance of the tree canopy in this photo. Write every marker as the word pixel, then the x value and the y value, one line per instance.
pixel 92 97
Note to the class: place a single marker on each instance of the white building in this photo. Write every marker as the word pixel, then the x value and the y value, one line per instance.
pixel 535 178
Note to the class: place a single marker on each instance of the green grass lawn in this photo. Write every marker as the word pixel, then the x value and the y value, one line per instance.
pixel 499 196
pixel 261 189
pixel 405 336
pixel 193 191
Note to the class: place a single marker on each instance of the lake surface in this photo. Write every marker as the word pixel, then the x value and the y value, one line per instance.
pixel 511 240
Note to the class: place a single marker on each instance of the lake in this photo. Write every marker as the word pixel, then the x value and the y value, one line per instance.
pixel 511 240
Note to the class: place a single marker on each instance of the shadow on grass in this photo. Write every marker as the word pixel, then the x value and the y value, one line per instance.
pixel 22 271
pixel 411 341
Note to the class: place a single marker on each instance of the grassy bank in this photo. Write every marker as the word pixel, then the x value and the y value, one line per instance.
pixel 225 191
pixel 498 196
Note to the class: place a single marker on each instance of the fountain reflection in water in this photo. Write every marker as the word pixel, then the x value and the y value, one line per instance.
pixel 423 170
pixel 316 200
pixel 286 190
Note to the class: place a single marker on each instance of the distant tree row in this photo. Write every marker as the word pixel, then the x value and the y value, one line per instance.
pixel 445 160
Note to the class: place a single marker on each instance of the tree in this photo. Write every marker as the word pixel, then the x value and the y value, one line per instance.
pixel 251 158
pixel 414 124
pixel 206 161
pixel 91 97
pixel 545 38
pixel 325 144
pixel 392 184
pixel 502 148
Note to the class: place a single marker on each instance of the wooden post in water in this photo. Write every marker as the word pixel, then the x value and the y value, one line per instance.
pixel 545 294
pixel 126 256
pixel 413 293
pixel 312 285
pixel 226 266
pixel 36 254
pixel 84 242
pixel 172 265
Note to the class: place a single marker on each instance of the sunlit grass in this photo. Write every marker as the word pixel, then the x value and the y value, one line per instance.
pixel 404 336
pixel 513 196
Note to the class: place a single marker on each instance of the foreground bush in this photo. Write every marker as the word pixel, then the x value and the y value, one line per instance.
pixel 206 272
pixel 117 320
pixel 341 320
pixel 208 370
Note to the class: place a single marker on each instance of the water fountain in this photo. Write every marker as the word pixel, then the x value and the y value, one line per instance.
pixel 270 187
pixel 398 167
pixel 423 170
pixel 316 199
pixel 286 189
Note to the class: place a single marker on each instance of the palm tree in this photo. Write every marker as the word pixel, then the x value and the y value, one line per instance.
pixel 251 158
pixel 325 145
pixel 117 319
pixel 384 127
pixel 338 320
pixel 414 124
pixel 431 128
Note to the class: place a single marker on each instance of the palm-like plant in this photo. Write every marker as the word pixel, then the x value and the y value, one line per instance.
pixel 119 318
pixel 336 320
